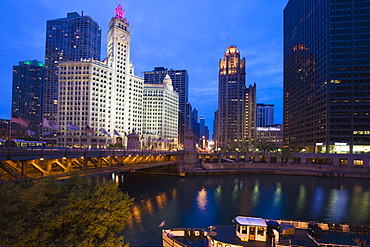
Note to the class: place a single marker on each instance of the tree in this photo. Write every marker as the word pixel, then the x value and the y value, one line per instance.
pixel 285 152
pixel 75 212
pixel 263 147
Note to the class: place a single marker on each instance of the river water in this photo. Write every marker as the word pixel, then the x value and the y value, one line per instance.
pixel 202 201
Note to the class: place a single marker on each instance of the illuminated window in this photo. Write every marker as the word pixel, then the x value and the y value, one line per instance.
pixel 358 162
pixel 343 162
pixel 261 231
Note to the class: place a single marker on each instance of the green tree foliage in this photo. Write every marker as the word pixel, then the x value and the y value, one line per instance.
pixel 263 147
pixel 286 152
pixel 75 212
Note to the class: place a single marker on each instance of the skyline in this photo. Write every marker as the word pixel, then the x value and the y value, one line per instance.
pixel 186 35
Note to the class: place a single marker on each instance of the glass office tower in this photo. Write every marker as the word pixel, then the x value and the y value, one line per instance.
pixel 28 78
pixel 265 115
pixel 74 38
pixel 327 75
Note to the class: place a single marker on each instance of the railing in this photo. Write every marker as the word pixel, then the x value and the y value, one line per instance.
pixel 15 153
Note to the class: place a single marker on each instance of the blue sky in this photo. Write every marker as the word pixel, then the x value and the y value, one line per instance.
pixel 178 34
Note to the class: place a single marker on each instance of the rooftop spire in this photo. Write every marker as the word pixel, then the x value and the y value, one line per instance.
pixel 120 13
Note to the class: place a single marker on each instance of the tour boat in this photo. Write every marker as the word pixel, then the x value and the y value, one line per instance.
pixel 252 231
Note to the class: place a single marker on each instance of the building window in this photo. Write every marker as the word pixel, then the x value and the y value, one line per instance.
pixel 343 161
pixel 358 162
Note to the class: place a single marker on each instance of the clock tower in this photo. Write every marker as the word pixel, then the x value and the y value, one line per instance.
pixel 126 109
pixel 119 43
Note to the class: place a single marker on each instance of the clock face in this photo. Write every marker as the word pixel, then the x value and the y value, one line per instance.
pixel 123 37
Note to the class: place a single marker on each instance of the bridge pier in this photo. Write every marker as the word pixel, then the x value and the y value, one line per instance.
pixel 188 158
pixel 22 165
pixel 68 164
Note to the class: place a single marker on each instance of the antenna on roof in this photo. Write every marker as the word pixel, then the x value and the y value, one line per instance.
pixel 82 14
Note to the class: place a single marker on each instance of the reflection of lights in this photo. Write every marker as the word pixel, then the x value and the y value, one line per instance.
pixel 301 198
pixel 202 199
pixel 174 193
pixel 338 201
pixel 218 190
pixel 161 200
pixel 277 195
pixel 256 187
pixel 149 207
pixel 255 193
pixel 235 192
pixel 136 213
pixel 317 203
pixel 359 204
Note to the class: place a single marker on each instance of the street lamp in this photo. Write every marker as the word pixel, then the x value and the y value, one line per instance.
pixel 219 155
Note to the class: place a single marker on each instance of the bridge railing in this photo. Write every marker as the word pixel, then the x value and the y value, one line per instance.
pixel 14 152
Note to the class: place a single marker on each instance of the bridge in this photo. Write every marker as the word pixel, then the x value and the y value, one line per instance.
pixel 35 163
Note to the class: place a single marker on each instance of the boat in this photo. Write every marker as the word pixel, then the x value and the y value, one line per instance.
pixel 253 231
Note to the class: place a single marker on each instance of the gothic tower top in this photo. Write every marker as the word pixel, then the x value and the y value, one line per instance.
pixel 120 14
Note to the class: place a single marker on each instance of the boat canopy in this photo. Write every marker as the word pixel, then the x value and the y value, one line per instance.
pixel 250 221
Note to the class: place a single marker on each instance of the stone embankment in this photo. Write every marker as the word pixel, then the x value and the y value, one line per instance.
pixel 322 170
pixel 282 168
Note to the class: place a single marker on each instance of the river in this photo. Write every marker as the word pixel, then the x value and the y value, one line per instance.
pixel 202 201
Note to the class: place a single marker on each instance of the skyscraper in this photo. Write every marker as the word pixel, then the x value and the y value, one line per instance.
pixel 327 75
pixel 265 115
pixel 236 104
pixel 180 82
pixel 160 115
pixel 28 79
pixel 195 126
pixel 73 38
pixel 103 99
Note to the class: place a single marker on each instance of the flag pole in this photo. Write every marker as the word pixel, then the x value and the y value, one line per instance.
pixel 10 130
pixel 42 130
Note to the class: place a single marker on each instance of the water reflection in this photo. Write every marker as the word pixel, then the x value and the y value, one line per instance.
pixel 202 200
pixel 301 199
pixel 359 203
pixel 255 193
pixel 277 197
pixel 161 199
pixel 317 202
pixel 337 207
pixel 205 201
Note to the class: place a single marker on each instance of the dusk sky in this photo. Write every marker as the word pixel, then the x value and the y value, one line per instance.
pixel 177 34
